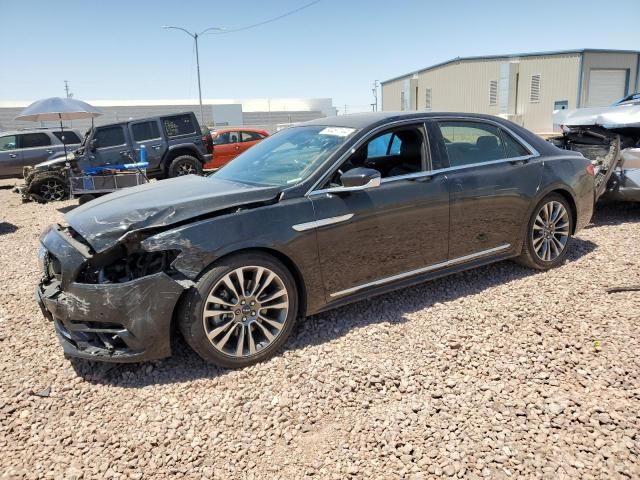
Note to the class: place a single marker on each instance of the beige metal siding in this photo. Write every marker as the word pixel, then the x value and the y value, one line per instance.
pixel 558 81
pixel 600 60
pixel 391 93
pixel 460 87
pixel 464 86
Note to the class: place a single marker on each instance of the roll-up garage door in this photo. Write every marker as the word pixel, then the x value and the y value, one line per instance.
pixel 606 86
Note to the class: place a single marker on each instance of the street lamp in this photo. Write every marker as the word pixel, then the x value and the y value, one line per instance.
pixel 195 38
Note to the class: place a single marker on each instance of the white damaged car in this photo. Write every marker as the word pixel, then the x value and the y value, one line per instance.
pixel 610 137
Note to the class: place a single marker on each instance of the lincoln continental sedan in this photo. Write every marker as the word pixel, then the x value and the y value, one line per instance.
pixel 318 215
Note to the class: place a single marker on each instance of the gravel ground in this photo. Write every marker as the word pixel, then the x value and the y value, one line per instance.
pixel 499 372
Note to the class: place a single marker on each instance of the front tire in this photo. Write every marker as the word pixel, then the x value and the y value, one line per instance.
pixel 548 234
pixel 48 187
pixel 184 165
pixel 241 311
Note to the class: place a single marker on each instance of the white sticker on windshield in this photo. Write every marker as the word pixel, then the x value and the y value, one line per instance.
pixel 337 131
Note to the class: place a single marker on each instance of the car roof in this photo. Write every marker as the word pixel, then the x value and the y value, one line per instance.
pixel 363 120
pixel 237 129
pixel 39 130
pixel 135 120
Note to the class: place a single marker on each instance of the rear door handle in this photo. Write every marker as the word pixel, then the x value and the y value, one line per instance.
pixel 156 147
pixel 12 155
pixel 49 152
pixel 124 153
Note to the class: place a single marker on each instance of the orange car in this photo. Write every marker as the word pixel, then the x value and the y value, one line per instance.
pixel 228 143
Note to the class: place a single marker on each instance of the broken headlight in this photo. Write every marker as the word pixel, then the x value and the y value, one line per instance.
pixel 127 266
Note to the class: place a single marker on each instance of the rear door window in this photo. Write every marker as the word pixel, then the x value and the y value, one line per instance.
pixel 145 131
pixel 221 138
pixel 177 125
pixel 110 136
pixel 234 137
pixel 69 137
pixel 471 142
pixel 33 140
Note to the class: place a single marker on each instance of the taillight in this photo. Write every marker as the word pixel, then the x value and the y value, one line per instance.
pixel 591 170
pixel 208 142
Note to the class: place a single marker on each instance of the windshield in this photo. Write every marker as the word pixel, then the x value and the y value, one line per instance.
pixel 286 158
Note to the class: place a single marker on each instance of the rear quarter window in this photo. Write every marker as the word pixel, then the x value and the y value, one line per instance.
pixel 177 125
pixel 69 137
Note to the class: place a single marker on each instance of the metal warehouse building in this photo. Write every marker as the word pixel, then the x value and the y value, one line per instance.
pixel 524 88
pixel 265 113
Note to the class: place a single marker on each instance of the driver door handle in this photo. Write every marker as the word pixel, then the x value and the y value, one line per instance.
pixel 522 161
pixel 156 147
pixel 12 155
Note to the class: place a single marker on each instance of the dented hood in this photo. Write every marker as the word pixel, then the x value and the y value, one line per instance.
pixel 619 116
pixel 103 221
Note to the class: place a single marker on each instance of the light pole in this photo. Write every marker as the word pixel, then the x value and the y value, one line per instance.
pixel 195 39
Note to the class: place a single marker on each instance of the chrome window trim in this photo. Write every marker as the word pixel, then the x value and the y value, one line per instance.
pixel 301 227
pixel 533 152
pixel 364 139
pixel 436 266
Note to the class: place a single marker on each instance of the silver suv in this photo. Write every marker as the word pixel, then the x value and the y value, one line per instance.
pixel 21 148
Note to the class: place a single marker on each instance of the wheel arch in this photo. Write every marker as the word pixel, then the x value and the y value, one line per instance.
pixel 182 149
pixel 278 255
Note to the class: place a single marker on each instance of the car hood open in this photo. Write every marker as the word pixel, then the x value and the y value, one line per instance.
pixel 102 222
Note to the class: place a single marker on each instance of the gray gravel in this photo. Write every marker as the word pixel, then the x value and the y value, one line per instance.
pixel 498 372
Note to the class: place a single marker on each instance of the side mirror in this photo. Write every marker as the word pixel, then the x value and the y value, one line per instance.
pixel 360 179
pixel 93 145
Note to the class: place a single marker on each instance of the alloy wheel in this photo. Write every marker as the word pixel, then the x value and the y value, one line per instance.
pixel 52 190
pixel 186 168
pixel 245 311
pixel 550 231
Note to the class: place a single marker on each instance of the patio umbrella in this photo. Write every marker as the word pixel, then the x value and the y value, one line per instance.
pixel 56 108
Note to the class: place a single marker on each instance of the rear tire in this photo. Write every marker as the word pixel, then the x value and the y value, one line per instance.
pixel 184 165
pixel 49 187
pixel 241 311
pixel 548 234
pixel 87 197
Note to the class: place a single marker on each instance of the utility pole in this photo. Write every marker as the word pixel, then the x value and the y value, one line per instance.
pixel 374 90
pixel 67 89
pixel 195 36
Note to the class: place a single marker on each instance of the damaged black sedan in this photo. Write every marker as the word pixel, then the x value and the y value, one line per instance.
pixel 318 215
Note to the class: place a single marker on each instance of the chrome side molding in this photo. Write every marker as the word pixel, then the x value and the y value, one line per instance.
pixel 418 271
pixel 301 227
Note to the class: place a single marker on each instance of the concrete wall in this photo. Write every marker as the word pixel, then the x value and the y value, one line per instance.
pixel 262 113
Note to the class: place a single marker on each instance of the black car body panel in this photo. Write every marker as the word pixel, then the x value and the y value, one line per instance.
pixel 158 204
pixel 340 245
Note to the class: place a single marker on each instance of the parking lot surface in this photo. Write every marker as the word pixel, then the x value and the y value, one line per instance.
pixel 499 372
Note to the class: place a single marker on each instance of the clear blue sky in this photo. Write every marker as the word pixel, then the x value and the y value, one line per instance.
pixel 116 49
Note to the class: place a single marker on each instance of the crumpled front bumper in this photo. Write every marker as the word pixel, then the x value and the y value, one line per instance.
pixel 123 322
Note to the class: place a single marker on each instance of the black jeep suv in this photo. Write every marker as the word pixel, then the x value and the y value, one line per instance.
pixel 175 145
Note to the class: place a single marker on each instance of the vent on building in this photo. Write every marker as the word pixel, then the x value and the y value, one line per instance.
pixel 402 100
pixel 534 96
pixel 427 98
pixel 493 92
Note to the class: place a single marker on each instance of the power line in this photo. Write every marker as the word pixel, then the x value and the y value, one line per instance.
pixel 259 24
